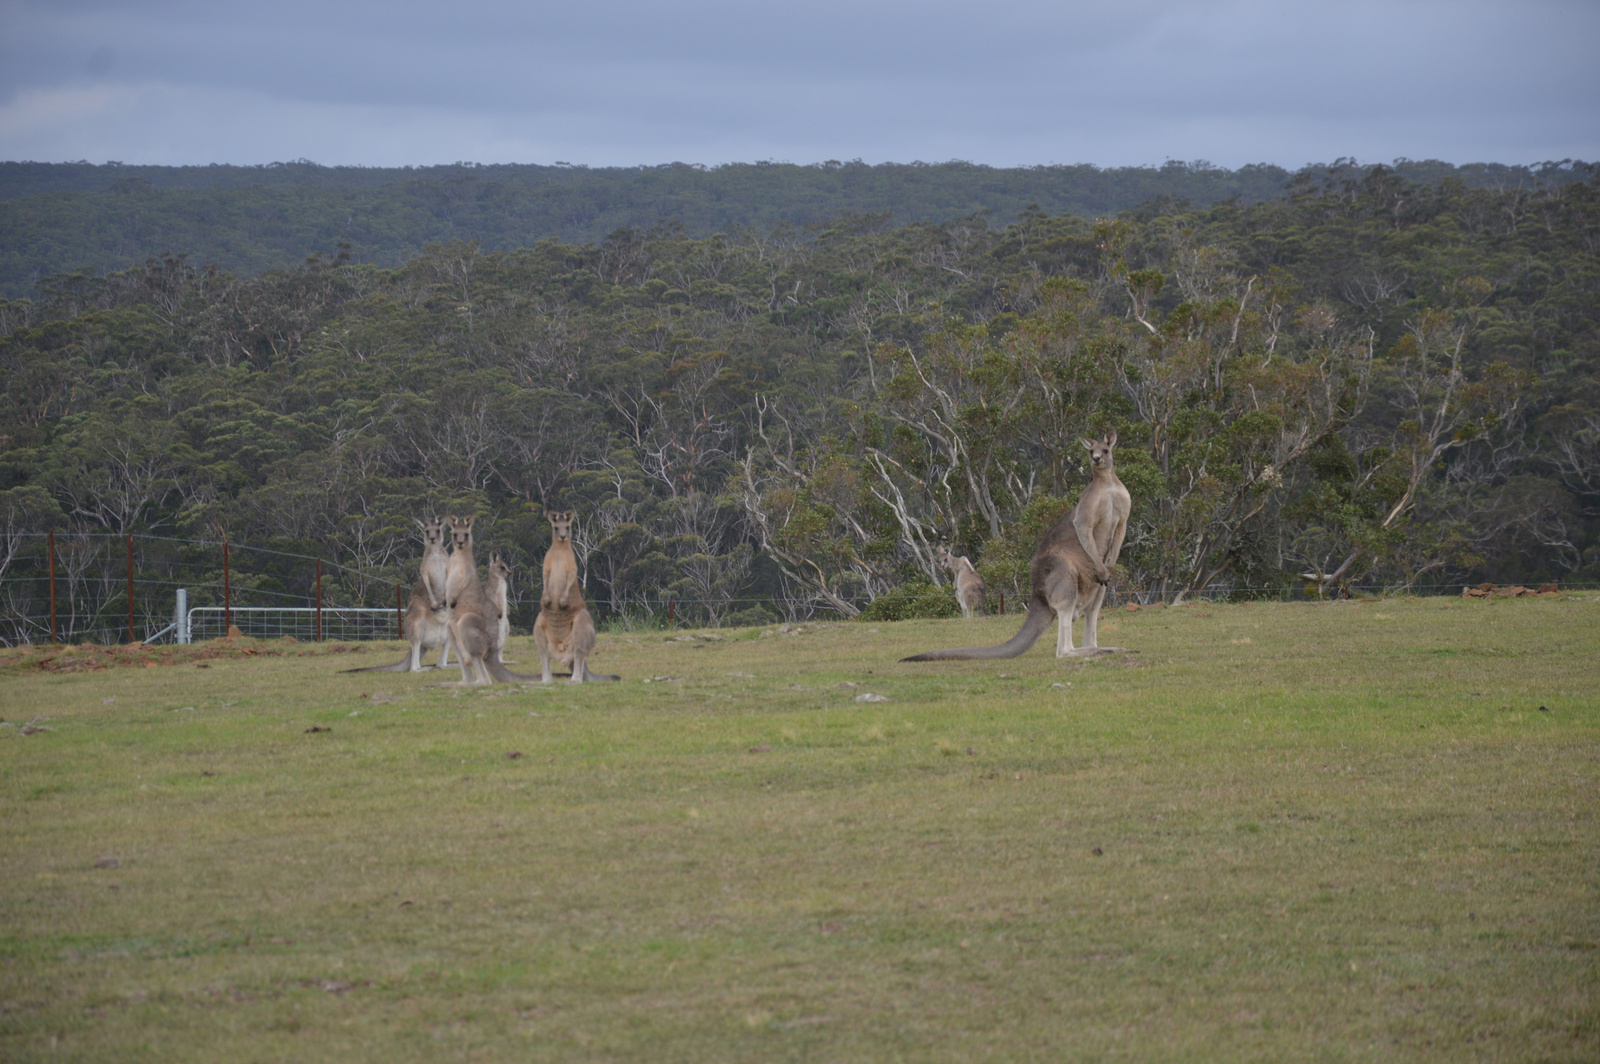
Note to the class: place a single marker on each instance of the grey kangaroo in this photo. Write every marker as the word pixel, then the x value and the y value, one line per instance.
pixel 474 617
pixel 564 630
pixel 498 589
pixel 462 570
pixel 1070 569
pixel 435 560
pixel 427 621
pixel 970 589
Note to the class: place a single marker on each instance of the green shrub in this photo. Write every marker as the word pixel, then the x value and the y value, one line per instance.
pixel 915 598
pixel 753 617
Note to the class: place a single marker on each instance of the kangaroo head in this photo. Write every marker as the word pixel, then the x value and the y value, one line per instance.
pixel 1100 450
pixel 461 532
pixel 945 558
pixel 432 531
pixel 498 566
pixel 561 525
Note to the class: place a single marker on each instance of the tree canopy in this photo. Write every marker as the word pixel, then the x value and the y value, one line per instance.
pixel 62 217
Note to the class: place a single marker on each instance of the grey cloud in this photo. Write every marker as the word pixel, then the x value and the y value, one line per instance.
pixel 1009 82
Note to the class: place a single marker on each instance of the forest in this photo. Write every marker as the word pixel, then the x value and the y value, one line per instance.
pixel 1364 380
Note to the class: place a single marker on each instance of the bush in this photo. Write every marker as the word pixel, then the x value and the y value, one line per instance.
pixel 754 617
pixel 915 598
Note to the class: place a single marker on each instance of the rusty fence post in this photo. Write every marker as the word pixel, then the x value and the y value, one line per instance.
pixel 227 589
pixel 51 547
pixel 319 600
pixel 130 591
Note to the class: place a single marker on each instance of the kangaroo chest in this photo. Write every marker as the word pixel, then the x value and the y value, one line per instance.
pixel 460 573
pixel 1106 507
pixel 560 578
pixel 436 563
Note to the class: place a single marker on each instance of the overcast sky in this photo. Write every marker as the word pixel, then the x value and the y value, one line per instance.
pixel 626 82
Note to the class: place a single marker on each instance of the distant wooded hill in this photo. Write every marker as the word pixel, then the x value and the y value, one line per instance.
pixel 62 217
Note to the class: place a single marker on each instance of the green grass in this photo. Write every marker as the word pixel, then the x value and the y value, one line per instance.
pixel 1281 832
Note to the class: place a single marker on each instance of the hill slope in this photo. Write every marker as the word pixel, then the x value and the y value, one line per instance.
pixel 57 218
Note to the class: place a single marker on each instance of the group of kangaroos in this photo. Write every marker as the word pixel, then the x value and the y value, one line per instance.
pixel 451 609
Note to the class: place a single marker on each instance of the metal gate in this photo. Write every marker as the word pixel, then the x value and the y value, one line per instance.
pixel 339 623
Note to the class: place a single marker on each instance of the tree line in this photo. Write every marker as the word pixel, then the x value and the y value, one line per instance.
pixel 55 218
pixel 1369 380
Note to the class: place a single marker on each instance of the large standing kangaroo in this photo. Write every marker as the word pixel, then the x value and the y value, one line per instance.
pixel 564 630
pixel 474 616
pixel 1070 569
pixel 462 569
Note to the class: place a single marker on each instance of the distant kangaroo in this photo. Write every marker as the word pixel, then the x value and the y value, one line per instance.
pixel 969 585
pixel 427 622
pixel 1070 569
pixel 497 591
pixel 564 631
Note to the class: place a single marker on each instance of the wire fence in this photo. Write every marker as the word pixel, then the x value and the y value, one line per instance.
pixel 98 587
pixel 81 586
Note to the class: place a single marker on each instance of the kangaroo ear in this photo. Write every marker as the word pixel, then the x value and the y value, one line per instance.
pixel 1091 444
pixel 421 523
pixel 571 514
pixel 1111 438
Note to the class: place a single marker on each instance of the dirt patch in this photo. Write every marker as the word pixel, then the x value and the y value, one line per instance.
pixel 95 658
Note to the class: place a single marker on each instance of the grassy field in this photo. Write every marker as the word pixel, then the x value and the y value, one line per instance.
pixel 1353 831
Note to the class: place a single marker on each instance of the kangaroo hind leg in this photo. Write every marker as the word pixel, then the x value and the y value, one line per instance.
pixel 1063 598
pixel 541 643
pixel 1091 626
pixel 1064 647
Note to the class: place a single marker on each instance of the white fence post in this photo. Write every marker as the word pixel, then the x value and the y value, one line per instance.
pixel 182 617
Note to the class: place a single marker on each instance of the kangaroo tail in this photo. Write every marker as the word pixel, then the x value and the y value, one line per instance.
pixel 403 665
pixel 498 670
pixel 598 677
pixel 506 676
pixel 1039 618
